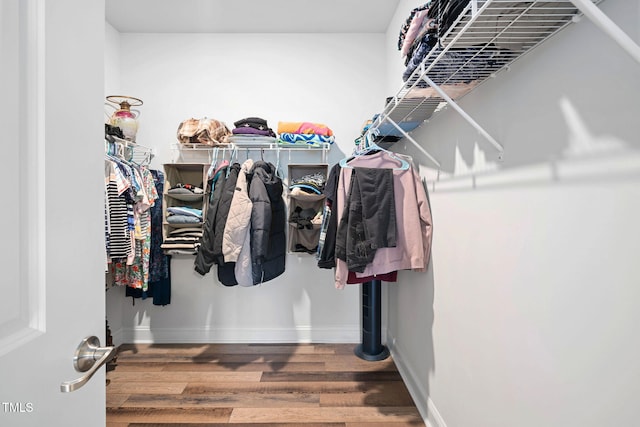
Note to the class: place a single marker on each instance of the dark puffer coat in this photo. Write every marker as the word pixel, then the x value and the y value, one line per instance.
pixel 268 222
pixel 210 251
pixel 205 256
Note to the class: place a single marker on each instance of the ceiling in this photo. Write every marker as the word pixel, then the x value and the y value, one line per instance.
pixel 250 16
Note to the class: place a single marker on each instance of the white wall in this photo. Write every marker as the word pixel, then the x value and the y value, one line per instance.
pixel 330 79
pixel 112 66
pixel 528 314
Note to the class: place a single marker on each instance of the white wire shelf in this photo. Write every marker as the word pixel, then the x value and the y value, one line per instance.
pixel 272 145
pixel 130 150
pixel 483 40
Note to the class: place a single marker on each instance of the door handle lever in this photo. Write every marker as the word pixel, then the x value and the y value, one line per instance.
pixel 89 357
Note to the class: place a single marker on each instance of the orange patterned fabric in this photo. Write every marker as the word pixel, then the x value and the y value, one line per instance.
pixel 304 127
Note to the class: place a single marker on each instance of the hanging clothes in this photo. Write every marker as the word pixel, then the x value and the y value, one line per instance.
pixel 268 222
pixel 327 243
pixel 134 272
pixel 236 235
pixel 368 220
pixel 159 262
pixel 205 256
pixel 249 197
pixel 413 219
pixel 129 194
pixel 117 235
pixel 226 274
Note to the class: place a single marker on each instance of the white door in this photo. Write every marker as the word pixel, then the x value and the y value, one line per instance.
pixel 52 218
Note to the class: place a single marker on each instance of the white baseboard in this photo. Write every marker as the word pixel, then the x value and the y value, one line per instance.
pixel 425 405
pixel 147 335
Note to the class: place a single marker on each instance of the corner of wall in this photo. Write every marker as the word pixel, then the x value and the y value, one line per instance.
pixel 420 396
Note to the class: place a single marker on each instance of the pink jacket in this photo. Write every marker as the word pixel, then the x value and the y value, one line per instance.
pixel 414 227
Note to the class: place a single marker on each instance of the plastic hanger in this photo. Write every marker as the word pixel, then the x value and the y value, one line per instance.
pixel 370 145
pixel 278 172
pixel 214 162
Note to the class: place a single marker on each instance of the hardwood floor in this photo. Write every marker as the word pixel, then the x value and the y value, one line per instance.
pixel 199 385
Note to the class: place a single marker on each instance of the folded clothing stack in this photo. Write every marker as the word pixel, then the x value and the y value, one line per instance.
pixel 184 215
pixel 304 133
pixel 186 189
pixel 202 131
pixel 186 192
pixel 305 218
pixel 252 129
pixel 311 183
pixel 183 241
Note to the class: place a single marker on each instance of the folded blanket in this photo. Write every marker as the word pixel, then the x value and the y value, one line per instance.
pixel 302 138
pixel 187 231
pixel 181 240
pixel 251 139
pixel 184 210
pixel 178 246
pixel 304 127
pixel 253 122
pixel 183 219
pixel 252 131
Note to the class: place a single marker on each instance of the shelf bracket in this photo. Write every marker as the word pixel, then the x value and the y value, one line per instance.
pixel 413 141
pixel 466 116
pixel 601 20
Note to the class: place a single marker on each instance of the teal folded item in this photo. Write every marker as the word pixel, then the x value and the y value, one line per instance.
pixel 305 138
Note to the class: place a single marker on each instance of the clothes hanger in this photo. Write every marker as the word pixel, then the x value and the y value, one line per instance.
pixel 233 157
pixel 234 154
pixel 370 145
pixel 278 172
pixel 214 162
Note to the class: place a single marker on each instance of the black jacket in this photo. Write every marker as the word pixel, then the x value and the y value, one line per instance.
pixel 223 211
pixel 205 256
pixel 268 221
pixel 226 274
pixel 327 255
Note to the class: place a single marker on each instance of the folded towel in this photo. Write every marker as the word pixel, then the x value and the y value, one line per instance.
pixel 184 210
pixel 301 138
pixel 304 127
pixel 183 219
pixel 252 131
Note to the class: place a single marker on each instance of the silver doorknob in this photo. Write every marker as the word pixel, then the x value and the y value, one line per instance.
pixel 89 357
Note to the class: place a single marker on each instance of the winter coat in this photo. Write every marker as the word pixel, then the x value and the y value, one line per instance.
pixel 223 211
pixel 226 270
pixel 205 256
pixel 239 218
pixel 268 221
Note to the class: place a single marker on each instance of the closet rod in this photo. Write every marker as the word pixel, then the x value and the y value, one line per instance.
pixel 601 20
pixel 264 146
pixel 267 146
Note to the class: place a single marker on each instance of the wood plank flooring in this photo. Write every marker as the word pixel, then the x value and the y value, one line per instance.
pixel 198 385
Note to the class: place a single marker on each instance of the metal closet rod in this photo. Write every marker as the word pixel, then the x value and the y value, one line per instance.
pixel 273 146
pixel 261 146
